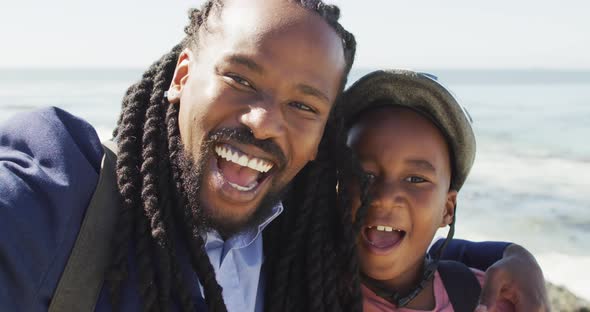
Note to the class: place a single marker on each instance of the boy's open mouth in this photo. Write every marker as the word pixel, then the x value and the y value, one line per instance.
pixel 382 236
pixel 241 171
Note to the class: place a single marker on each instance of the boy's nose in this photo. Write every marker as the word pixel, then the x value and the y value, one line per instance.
pixel 387 195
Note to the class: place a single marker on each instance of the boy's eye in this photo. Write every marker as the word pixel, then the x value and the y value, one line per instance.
pixel 415 179
pixel 301 106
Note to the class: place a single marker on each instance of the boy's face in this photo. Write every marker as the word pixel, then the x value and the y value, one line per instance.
pixel 269 68
pixel 409 159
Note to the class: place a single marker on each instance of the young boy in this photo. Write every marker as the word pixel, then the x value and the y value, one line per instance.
pixel 416 142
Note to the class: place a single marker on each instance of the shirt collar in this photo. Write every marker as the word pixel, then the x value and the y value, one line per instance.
pixel 247 237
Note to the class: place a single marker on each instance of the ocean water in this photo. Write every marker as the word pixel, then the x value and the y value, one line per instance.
pixel 530 183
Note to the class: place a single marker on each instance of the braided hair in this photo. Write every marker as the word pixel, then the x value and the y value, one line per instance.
pixel 310 260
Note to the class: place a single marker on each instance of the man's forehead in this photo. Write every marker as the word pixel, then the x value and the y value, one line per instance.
pixel 260 16
pixel 251 20
pixel 260 8
pixel 280 37
pixel 302 47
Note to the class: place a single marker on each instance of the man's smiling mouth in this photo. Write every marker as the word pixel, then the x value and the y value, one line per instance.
pixel 241 171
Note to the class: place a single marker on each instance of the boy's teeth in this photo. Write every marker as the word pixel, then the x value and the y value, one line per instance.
pixel 384 228
pixel 243 160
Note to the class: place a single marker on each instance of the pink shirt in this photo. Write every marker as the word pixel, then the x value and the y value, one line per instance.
pixel 374 303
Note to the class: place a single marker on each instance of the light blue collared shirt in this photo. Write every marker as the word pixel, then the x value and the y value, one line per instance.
pixel 237 263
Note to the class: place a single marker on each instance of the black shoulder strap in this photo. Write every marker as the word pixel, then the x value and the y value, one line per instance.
pixel 461 285
pixel 80 283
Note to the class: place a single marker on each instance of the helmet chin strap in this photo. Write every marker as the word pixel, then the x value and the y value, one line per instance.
pixel 430 266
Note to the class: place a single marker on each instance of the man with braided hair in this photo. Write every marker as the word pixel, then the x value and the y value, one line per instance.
pixel 237 116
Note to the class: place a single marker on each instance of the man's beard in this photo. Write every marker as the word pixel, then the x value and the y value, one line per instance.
pixel 191 173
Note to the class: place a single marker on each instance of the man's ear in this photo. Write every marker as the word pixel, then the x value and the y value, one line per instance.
pixel 449 211
pixel 181 74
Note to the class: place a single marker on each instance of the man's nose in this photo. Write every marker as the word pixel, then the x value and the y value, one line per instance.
pixel 265 120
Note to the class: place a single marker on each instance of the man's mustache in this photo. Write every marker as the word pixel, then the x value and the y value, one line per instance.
pixel 245 136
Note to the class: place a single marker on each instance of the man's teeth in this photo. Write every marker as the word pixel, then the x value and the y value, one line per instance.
pixel 243 160
pixel 243 188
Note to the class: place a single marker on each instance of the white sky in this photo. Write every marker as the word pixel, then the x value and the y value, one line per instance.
pixel 415 34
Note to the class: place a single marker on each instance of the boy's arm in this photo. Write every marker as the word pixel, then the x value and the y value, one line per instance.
pixel 512 273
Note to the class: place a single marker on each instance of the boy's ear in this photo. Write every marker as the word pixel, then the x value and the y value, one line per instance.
pixel 181 74
pixel 449 210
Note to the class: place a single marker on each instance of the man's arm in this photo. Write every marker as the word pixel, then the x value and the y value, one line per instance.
pixel 49 162
pixel 513 276
pixel 517 279
pixel 479 255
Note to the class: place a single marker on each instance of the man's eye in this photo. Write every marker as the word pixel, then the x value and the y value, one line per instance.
pixel 370 176
pixel 301 106
pixel 415 179
pixel 240 80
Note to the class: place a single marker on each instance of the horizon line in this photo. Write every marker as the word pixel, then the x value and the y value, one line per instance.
pixel 105 68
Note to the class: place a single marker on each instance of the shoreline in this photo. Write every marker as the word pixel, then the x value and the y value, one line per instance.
pixel 561 299
pixel 559 269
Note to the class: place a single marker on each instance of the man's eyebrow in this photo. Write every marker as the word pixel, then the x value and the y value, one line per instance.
pixel 311 91
pixel 252 65
pixel 421 163
pixel 245 61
